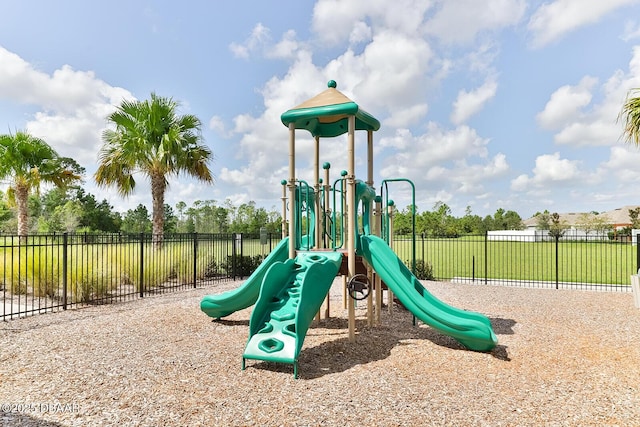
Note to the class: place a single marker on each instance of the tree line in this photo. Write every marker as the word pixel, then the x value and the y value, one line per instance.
pixel 439 221
pixel 76 211
pixel 72 209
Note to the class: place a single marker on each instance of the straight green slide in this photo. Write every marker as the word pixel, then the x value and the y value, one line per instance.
pixel 291 295
pixel 224 304
pixel 472 330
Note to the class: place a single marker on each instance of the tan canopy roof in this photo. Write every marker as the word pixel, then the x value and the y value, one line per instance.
pixel 326 114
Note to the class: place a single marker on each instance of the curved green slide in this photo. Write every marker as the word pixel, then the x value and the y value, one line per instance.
pixel 222 305
pixel 473 330
pixel 291 295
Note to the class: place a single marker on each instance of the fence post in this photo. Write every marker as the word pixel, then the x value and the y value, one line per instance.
pixel 473 269
pixel 195 257
pixel 241 265
pixel 637 252
pixel 141 265
pixel 64 270
pixel 486 257
pixel 557 240
pixel 233 254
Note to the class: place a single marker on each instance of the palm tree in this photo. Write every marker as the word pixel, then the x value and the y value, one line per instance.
pixel 151 139
pixel 27 161
pixel 630 115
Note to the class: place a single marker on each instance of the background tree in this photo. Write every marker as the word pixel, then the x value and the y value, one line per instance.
pixel 630 116
pixel 170 220
pixel 543 220
pixel 181 208
pixel 79 210
pixel 97 216
pixel 634 216
pixel 136 220
pixel 593 222
pixel 507 220
pixel 402 221
pixel 5 214
pixel 470 223
pixel 150 138
pixel 439 222
pixel 63 218
pixel 27 161
pixel 557 227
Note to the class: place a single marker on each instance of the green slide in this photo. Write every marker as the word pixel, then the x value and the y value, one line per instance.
pixel 473 330
pixel 222 305
pixel 291 295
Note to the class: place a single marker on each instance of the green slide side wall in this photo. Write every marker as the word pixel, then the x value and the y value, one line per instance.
pixel 473 330
pixel 222 305
pixel 292 293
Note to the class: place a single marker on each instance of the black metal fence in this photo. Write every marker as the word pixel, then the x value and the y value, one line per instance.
pixel 50 272
pixel 566 262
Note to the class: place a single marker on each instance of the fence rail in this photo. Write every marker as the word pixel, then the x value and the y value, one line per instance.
pixel 51 272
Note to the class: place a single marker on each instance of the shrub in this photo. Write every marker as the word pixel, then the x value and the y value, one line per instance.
pixel 424 270
pixel 244 265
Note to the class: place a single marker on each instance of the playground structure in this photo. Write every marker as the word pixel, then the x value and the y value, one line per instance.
pixel 322 238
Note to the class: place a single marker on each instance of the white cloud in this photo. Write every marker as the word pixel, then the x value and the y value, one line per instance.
pixel 631 31
pixel 588 134
pixel 361 33
pixel 472 178
pixel 217 124
pixel 462 20
pixel 259 36
pixel 623 164
pixel 287 47
pixel 390 76
pixel 553 20
pixel 434 146
pixel 334 20
pixel 395 70
pixel 453 160
pixel 337 21
pixel 71 106
pixel 470 103
pixel 549 172
pixel 578 120
pixel 566 103
pixel 407 116
pixel 483 57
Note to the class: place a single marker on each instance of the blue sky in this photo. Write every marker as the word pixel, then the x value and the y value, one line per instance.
pixel 488 104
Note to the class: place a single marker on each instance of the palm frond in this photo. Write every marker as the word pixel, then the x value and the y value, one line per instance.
pixel 630 116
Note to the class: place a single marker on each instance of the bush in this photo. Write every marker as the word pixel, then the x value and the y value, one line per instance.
pixel 244 265
pixel 424 270
pixel 212 269
pixel 92 288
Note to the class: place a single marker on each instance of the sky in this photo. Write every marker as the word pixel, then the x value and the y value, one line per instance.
pixel 484 104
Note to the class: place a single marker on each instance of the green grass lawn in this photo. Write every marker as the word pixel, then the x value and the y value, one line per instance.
pixel 581 262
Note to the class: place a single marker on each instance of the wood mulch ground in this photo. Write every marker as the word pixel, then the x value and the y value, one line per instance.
pixel 565 358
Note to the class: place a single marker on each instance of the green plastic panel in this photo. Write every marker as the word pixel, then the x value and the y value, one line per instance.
pixel 330 120
pixel 291 295
pixel 473 330
pixel 224 304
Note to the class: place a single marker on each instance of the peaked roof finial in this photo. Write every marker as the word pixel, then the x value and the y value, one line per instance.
pixel 326 114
